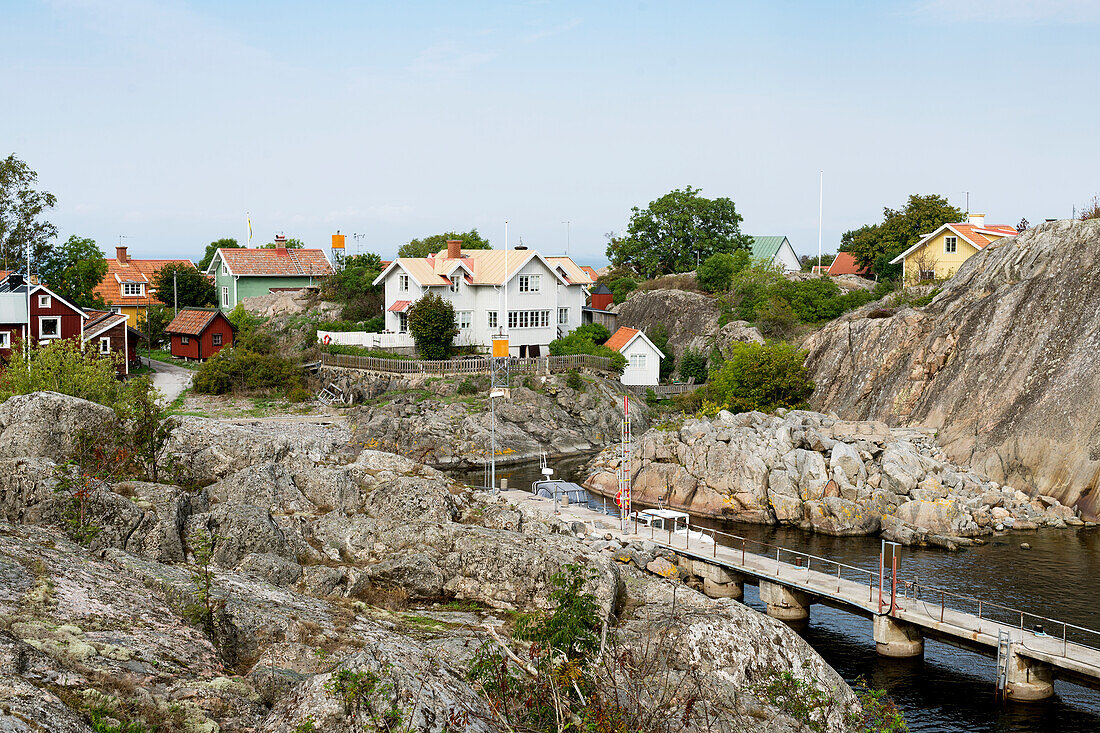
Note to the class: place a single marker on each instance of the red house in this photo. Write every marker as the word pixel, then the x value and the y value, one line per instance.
pixel 199 333
pixel 108 334
pixel 48 314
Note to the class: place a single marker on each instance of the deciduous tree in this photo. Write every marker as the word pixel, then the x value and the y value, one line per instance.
pixel 213 247
pixel 437 242
pixel 73 270
pixel 874 245
pixel 21 215
pixel 432 325
pixel 178 283
pixel 676 232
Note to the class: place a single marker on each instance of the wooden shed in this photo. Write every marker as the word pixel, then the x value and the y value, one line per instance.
pixel 199 333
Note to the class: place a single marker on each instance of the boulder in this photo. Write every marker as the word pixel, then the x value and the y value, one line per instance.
pixel 50 425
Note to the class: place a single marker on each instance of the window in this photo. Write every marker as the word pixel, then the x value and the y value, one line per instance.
pixel 185 340
pixel 637 361
pixel 402 322
pixel 105 345
pixel 5 339
pixel 225 295
pixel 44 301
pixel 926 275
pixel 131 290
pixel 463 319
pixel 217 339
pixel 528 319
pixel 49 327
pixel 403 283
pixel 563 316
pixel 528 283
pixel 491 319
pixel 950 245
pixel 116 309
pixel 455 279
pixel 225 269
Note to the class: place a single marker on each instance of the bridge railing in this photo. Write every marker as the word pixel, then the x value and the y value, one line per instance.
pixel 935 598
pixel 908 592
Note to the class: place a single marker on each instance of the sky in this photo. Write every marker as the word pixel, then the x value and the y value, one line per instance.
pixel 165 123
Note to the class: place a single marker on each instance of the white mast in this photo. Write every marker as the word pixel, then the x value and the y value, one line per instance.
pixel 820 211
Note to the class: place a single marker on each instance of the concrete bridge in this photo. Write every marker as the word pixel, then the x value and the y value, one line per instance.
pixel 1031 650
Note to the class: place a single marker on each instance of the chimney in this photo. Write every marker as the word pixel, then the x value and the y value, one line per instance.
pixel 454 249
pixel 120 254
pixel 977 220
pixel 281 252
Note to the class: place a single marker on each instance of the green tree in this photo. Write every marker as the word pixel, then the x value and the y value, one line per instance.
pixel 693 364
pixel 353 286
pixel 432 325
pixel 677 231
pixel 213 247
pixel 73 270
pixel 581 341
pixel 874 245
pixel 21 211
pixel 153 322
pixel 621 288
pixel 437 242
pixel 764 378
pixel 61 366
pixel 596 332
pixel 178 283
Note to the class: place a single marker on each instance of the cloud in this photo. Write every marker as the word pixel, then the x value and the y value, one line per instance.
pixel 1012 11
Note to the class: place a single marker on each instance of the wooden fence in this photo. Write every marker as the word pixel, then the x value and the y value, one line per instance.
pixel 661 390
pixel 469 365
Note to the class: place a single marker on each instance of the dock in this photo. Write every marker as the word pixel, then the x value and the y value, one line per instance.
pixel 1031 649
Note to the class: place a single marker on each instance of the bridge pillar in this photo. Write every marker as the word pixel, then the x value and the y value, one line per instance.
pixel 895 638
pixel 1029 680
pixel 785 604
pixel 718 582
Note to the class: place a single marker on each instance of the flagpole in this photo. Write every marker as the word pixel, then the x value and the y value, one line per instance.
pixel 820 211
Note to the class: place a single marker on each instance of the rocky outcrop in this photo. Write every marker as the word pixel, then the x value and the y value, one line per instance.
pixel 1002 363
pixel 822 474
pixel 315 556
pixel 690 319
pixel 428 421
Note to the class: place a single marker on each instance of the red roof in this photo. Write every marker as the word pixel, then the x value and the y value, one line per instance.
pixel 974 234
pixel 192 321
pixel 591 272
pixel 845 264
pixel 621 338
pixel 132 271
pixel 399 306
pixel 277 262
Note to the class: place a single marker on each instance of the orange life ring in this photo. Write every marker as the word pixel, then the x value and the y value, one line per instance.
pixel 326 340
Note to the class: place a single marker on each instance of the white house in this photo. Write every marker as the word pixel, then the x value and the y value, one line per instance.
pixel 776 250
pixel 545 295
pixel 643 359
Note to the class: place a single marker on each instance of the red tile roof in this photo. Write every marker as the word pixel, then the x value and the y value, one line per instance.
pixel 295 262
pixel 621 338
pixel 591 272
pixel 399 306
pixel 130 270
pixel 974 234
pixel 845 264
pixel 192 321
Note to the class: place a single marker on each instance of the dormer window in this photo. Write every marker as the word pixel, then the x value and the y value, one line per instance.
pixel 44 301
pixel 133 290
pixel 455 280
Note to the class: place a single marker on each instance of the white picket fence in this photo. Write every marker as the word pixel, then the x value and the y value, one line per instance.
pixel 365 339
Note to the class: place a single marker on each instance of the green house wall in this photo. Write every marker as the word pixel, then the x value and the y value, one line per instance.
pixel 247 286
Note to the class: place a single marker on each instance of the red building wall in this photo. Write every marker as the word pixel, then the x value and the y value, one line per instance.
pixel 118 345
pixel 71 320
pixel 203 347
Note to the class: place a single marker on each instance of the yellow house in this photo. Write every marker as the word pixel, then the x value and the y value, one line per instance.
pixel 937 256
pixel 127 288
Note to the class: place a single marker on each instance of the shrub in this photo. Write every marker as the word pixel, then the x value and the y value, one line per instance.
pixel 596 332
pixel 61 366
pixel 622 287
pixel 658 334
pixel 468 386
pixel 716 273
pixel 432 325
pixel 679 281
pixel 777 320
pixel 753 287
pixel 764 378
pixel 574 381
pixel 693 364
pixel 238 370
pixel 576 343
pixel 299 394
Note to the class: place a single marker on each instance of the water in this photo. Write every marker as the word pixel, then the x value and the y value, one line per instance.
pixel 950 690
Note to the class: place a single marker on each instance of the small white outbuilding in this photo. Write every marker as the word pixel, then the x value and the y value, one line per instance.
pixel 643 359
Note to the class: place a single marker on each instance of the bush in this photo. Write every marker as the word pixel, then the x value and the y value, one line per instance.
pixel 753 287
pixel 716 273
pixel 693 364
pixel 574 381
pixel 432 325
pixel 658 334
pixel 238 370
pixel 595 332
pixel 299 394
pixel 622 288
pixel 777 320
pixel 61 366
pixel 578 343
pixel 764 378
pixel 468 386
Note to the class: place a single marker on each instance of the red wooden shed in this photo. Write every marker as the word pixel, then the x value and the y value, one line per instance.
pixel 199 333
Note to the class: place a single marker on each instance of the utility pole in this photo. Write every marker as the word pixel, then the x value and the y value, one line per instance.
pixel 175 295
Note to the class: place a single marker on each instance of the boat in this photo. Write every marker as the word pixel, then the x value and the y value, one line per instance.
pixel 551 488
pixel 668 524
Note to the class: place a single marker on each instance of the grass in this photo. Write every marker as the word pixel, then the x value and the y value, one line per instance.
pixel 165 356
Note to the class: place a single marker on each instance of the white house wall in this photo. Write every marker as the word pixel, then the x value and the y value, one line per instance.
pixel 787 257
pixel 394 294
pixel 651 373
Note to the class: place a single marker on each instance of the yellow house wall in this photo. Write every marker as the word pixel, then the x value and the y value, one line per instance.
pixel 131 313
pixel 945 264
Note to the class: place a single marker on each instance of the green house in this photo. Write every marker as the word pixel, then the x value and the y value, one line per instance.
pixel 243 273
pixel 777 250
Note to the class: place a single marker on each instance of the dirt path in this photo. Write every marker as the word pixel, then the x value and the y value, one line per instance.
pixel 170 379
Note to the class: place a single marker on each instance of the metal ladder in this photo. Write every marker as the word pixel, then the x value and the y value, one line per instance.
pixel 330 395
pixel 1004 655
pixel 624 467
